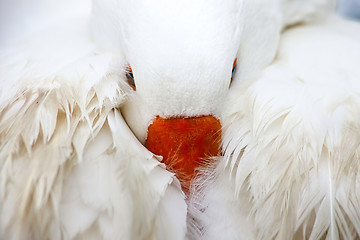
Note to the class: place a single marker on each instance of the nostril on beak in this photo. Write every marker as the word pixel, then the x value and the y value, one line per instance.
pixel 185 144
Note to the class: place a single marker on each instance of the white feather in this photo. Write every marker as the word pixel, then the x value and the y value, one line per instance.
pixel 70 167
pixel 292 141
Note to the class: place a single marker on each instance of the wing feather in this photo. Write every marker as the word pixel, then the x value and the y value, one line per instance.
pixel 70 168
pixel 292 144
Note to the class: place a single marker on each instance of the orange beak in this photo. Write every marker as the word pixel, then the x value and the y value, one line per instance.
pixel 185 144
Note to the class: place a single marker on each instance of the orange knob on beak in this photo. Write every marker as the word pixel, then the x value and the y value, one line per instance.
pixel 185 144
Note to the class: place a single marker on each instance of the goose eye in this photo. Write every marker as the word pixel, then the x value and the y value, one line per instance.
pixel 130 78
pixel 233 71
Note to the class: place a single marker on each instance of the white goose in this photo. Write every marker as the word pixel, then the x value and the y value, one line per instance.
pixel 71 167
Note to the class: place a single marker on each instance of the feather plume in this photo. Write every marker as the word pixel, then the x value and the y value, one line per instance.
pixel 291 145
pixel 69 166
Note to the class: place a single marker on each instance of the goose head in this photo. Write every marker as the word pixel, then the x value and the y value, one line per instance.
pixel 185 58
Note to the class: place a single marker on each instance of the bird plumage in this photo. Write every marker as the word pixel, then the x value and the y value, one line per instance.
pixel 290 165
pixel 61 142
pixel 73 168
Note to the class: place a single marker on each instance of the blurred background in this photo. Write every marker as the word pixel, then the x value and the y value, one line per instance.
pixel 18 18
pixel 349 8
pixel 21 17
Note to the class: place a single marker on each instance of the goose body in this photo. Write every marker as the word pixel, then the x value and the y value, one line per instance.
pixel 73 132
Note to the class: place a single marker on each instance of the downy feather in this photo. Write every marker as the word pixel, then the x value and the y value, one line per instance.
pixel 291 144
pixel 69 166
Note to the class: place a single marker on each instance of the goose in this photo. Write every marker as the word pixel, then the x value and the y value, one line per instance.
pixel 183 120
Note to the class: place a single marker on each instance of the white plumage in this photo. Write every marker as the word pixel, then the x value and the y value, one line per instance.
pixel 292 141
pixel 71 167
